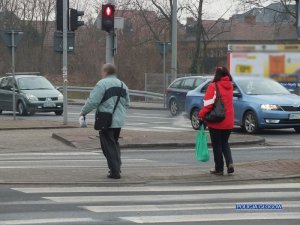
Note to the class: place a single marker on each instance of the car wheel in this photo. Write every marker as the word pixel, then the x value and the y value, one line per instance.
pixel 22 109
pixel 195 119
pixel 58 113
pixel 297 129
pixel 1 111
pixel 174 107
pixel 250 124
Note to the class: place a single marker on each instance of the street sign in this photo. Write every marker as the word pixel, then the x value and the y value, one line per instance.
pixel 58 41
pixel 164 47
pixel 7 38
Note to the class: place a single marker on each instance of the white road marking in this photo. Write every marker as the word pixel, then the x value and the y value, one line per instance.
pixel 151 117
pixel 163 198
pixel 157 188
pixel 175 128
pixel 177 207
pixel 212 217
pixel 135 124
pixel 45 221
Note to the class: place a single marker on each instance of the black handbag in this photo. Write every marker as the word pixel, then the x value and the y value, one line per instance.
pixel 217 114
pixel 103 120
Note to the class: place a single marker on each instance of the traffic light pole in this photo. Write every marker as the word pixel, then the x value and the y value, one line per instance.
pixel 110 47
pixel 110 42
pixel 65 60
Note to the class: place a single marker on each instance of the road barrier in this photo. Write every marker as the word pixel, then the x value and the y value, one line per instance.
pixel 136 93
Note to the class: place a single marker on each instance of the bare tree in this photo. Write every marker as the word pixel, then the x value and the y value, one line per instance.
pixel 204 34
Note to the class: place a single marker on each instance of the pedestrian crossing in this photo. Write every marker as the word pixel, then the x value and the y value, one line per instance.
pixel 171 204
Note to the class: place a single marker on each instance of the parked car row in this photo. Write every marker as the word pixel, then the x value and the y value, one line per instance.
pixel 34 93
pixel 259 103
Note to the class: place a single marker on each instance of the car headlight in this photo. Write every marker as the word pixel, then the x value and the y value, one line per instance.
pixel 31 98
pixel 270 107
pixel 60 97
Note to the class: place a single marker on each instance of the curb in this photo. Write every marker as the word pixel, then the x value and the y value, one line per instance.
pixel 159 180
pixel 259 140
pixel 63 140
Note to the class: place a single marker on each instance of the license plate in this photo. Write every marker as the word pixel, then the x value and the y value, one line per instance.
pixel 49 104
pixel 295 116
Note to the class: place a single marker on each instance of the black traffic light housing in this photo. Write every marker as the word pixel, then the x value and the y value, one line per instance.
pixel 59 14
pixel 108 17
pixel 74 23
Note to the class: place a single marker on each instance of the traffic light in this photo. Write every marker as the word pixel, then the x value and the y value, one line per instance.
pixel 108 17
pixel 59 14
pixel 74 23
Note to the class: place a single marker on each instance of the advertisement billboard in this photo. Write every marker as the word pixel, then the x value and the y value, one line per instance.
pixel 280 62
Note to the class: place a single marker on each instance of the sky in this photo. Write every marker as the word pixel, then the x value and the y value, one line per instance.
pixel 216 8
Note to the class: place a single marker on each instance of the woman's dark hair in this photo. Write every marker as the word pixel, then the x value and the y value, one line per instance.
pixel 221 71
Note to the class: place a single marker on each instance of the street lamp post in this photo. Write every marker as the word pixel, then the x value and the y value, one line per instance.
pixel 13 71
pixel 298 18
pixel 174 40
pixel 65 61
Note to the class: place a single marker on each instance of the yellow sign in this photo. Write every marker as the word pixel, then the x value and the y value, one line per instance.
pixel 244 69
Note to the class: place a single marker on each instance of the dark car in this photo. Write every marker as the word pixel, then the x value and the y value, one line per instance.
pixel 33 94
pixel 177 91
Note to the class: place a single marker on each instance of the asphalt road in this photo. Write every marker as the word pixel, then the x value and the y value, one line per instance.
pixel 160 120
pixel 26 154
pixel 161 204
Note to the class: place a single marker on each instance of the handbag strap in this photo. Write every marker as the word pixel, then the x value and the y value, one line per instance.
pixel 117 102
pixel 218 91
pixel 119 96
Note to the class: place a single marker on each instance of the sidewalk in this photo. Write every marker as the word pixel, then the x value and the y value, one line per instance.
pixel 254 171
pixel 18 124
pixel 133 105
pixel 89 139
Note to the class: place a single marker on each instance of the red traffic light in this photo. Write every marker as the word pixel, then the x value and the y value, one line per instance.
pixel 108 10
pixel 108 17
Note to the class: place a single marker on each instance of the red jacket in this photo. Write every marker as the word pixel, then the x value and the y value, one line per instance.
pixel 226 91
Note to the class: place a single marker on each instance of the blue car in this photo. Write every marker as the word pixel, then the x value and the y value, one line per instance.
pixel 259 103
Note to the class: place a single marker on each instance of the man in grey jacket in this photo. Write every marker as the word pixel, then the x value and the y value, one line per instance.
pixel 104 98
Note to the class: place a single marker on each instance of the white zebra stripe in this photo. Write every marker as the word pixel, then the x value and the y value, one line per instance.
pixel 178 207
pixel 45 221
pixel 157 188
pixel 212 217
pixel 162 198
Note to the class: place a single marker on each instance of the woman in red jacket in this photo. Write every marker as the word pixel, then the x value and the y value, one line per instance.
pixel 220 132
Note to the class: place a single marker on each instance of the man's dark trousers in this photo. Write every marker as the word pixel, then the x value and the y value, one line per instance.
pixel 109 140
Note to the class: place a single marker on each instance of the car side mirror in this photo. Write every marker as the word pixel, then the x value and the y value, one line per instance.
pixel 16 90
pixel 237 94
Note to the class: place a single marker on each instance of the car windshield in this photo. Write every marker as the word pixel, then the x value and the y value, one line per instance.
pixel 35 83
pixel 262 87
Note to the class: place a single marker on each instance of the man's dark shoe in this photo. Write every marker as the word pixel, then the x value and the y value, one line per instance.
pixel 114 176
pixel 215 172
pixel 230 169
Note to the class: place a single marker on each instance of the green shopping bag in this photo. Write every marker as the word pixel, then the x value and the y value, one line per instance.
pixel 201 150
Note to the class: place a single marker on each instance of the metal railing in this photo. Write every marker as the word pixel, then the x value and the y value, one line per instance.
pixel 136 93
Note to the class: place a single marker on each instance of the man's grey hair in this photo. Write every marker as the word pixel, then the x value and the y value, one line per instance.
pixel 110 69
